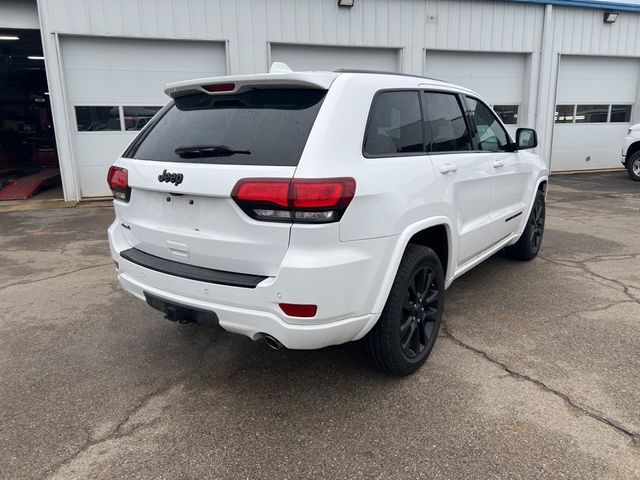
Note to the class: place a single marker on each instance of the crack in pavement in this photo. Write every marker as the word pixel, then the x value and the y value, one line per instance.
pixel 584 268
pixel 117 432
pixel 27 282
pixel 584 409
pixel 120 430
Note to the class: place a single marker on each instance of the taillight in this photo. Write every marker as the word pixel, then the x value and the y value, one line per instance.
pixel 118 180
pixel 298 200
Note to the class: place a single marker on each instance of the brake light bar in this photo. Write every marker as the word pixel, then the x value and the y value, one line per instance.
pixel 118 180
pixel 220 87
pixel 297 200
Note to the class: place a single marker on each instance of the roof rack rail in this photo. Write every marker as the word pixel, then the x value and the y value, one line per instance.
pixel 382 72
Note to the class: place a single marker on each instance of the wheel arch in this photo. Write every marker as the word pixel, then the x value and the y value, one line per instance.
pixel 420 232
pixel 633 148
pixel 441 225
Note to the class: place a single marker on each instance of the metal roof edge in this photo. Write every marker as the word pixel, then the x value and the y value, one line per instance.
pixel 614 6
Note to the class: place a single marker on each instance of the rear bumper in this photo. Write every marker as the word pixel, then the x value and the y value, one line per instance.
pixel 343 282
pixel 254 323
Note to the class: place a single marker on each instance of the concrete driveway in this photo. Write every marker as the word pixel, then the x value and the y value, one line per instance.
pixel 536 375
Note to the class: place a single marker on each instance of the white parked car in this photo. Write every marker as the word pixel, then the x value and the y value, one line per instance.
pixel 316 208
pixel 631 152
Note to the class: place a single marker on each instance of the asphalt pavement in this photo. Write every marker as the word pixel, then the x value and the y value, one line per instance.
pixel 535 375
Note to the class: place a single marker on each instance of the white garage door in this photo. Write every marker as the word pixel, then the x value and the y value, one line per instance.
pixel 115 85
pixel 497 77
pixel 593 111
pixel 306 57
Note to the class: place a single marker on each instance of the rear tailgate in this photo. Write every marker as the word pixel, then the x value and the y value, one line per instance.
pixel 183 167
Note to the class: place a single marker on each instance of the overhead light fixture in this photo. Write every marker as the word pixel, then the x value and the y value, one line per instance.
pixel 9 37
pixel 345 3
pixel 35 57
pixel 610 17
pixel 46 93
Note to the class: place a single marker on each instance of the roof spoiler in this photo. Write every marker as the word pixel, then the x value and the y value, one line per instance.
pixel 280 75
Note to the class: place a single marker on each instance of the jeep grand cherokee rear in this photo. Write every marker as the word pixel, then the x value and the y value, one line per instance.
pixel 206 199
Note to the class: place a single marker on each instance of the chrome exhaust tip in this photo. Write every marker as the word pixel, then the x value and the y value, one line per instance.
pixel 272 342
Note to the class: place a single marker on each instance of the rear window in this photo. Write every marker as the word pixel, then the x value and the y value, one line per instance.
pixel 256 127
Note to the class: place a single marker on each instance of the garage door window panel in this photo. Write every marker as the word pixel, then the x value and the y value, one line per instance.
pixel 592 113
pixel 565 113
pixel 507 113
pixel 492 137
pixel 137 117
pixel 98 118
pixel 620 113
pixel 445 125
pixel 395 125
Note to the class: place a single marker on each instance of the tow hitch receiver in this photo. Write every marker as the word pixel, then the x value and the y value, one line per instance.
pixel 180 313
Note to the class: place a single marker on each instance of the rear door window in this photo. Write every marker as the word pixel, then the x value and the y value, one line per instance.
pixel 255 127
pixel 395 125
pixel 445 126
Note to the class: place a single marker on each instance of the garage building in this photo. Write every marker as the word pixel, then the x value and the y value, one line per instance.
pixel 568 68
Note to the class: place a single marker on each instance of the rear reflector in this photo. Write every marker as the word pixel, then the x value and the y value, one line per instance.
pixel 220 87
pixel 296 200
pixel 297 310
pixel 118 180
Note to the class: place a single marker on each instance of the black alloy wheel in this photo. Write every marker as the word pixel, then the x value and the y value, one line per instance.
pixel 419 312
pixel 406 331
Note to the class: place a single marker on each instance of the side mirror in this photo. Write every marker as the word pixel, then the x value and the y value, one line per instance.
pixel 526 138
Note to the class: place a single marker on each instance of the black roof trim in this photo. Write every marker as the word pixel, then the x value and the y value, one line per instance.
pixel 382 72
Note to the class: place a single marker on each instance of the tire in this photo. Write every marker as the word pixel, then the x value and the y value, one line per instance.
pixel 405 334
pixel 633 166
pixel 528 245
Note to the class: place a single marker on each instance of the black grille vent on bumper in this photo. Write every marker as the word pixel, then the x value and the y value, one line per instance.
pixel 191 272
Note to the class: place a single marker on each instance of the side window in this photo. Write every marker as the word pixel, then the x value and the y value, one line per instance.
pixel 445 126
pixel 395 124
pixel 492 137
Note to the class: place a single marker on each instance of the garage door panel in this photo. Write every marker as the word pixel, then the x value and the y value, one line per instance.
pixel 580 147
pixel 592 91
pixel 310 57
pixel 124 86
pixel 125 72
pixel 143 55
pixel 588 80
pixel 498 77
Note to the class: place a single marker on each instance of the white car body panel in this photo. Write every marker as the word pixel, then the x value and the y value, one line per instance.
pixel 346 268
pixel 632 137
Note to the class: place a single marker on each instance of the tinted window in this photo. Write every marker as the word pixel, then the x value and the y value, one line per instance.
pixel 592 113
pixel 446 129
pixel 507 113
pixel 621 113
pixel 93 119
pixel 256 127
pixel 492 137
pixel 137 117
pixel 564 113
pixel 395 124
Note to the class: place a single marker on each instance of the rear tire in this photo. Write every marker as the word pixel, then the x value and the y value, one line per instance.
pixel 528 245
pixel 633 166
pixel 405 334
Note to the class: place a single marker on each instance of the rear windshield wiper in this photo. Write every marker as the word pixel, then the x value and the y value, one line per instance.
pixel 200 151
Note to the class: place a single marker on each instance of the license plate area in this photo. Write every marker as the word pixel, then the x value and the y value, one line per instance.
pixel 179 313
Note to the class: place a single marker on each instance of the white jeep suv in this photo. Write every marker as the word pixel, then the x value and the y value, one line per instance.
pixel 317 208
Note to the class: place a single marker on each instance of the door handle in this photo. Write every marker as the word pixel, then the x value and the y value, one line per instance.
pixel 448 168
pixel 497 164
